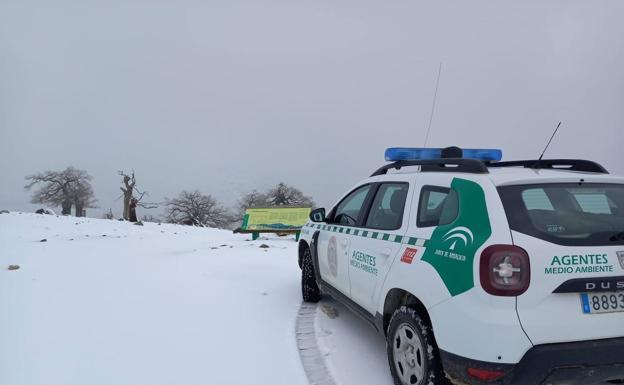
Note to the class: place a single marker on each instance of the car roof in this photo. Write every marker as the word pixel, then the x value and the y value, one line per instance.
pixel 502 176
pixel 521 175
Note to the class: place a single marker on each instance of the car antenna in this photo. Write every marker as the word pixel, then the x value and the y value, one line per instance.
pixel 548 144
pixel 435 98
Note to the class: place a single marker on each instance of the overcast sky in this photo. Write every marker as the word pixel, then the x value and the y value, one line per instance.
pixel 225 96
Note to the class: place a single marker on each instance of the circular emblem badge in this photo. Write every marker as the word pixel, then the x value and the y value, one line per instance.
pixel 332 256
pixel 620 255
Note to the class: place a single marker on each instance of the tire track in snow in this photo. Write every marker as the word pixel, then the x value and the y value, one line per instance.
pixel 313 362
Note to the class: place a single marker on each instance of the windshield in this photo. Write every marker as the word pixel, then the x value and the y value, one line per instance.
pixel 587 214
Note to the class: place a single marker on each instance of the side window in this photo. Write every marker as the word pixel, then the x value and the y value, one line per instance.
pixel 386 212
pixel 593 201
pixel 450 208
pixel 536 199
pixel 348 211
pixel 437 206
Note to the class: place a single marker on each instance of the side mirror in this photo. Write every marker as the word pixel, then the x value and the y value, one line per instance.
pixel 317 215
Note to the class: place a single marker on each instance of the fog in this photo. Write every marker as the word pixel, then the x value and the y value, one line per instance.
pixel 228 96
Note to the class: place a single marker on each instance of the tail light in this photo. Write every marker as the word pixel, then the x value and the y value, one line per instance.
pixel 505 270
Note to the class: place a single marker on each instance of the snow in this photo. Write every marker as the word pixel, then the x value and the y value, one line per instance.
pixel 354 352
pixel 107 302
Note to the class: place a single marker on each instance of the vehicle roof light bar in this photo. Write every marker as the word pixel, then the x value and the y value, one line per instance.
pixel 394 154
pixel 474 161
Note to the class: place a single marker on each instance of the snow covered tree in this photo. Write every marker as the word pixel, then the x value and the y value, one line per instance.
pixel 285 195
pixel 150 218
pixel 130 201
pixel 197 209
pixel 83 197
pixel 249 200
pixel 108 215
pixel 129 181
pixel 67 188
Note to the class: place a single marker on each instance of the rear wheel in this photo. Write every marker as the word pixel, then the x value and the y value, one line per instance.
pixel 411 350
pixel 309 288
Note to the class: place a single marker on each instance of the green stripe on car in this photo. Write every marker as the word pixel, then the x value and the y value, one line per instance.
pixel 412 241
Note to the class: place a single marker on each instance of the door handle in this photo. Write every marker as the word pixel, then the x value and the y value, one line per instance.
pixel 344 242
pixel 386 252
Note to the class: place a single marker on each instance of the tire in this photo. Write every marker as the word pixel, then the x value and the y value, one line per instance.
pixel 412 350
pixel 309 288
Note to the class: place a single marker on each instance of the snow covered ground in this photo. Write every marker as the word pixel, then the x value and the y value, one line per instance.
pixel 354 352
pixel 107 302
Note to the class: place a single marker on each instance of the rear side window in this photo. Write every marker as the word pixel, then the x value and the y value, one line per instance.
pixel 536 199
pixel 593 201
pixel 386 212
pixel 349 210
pixel 437 206
pixel 567 214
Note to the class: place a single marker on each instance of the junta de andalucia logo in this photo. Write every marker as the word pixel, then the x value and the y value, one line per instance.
pixel 459 234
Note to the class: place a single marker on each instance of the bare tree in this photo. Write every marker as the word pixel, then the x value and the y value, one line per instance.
pixel 109 214
pixel 285 195
pixel 63 188
pixel 150 218
pixel 130 201
pixel 197 209
pixel 83 197
pixel 129 182
pixel 249 200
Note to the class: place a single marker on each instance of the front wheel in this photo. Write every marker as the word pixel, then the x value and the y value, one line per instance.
pixel 411 350
pixel 309 288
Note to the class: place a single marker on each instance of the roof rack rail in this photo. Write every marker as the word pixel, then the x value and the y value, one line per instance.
pixel 554 164
pixel 467 165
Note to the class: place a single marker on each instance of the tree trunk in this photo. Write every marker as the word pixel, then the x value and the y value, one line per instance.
pixel 66 208
pixel 132 217
pixel 79 209
pixel 126 202
pixel 128 192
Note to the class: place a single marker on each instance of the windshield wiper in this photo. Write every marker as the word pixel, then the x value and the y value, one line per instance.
pixel 617 237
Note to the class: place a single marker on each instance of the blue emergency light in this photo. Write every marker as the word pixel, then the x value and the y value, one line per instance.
pixel 415 153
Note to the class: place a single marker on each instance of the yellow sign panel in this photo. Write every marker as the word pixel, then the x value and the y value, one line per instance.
pixel 275 218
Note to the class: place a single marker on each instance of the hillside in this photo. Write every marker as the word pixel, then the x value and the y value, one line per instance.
pixel 107 302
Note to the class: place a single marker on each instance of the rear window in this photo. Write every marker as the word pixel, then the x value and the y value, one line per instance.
pixel 569 214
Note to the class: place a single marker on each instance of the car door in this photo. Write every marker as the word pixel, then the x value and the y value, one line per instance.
pixel 335 238
pixel 374 246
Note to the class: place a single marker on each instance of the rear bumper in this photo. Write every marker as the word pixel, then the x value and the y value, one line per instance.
pixel 596 362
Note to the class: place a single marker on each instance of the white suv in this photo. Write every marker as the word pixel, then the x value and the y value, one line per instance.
pixel 479 271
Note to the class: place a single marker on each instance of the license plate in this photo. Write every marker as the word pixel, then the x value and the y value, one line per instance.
pixel 608 302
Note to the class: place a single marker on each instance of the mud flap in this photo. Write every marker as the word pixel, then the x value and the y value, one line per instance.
pixel 314 252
